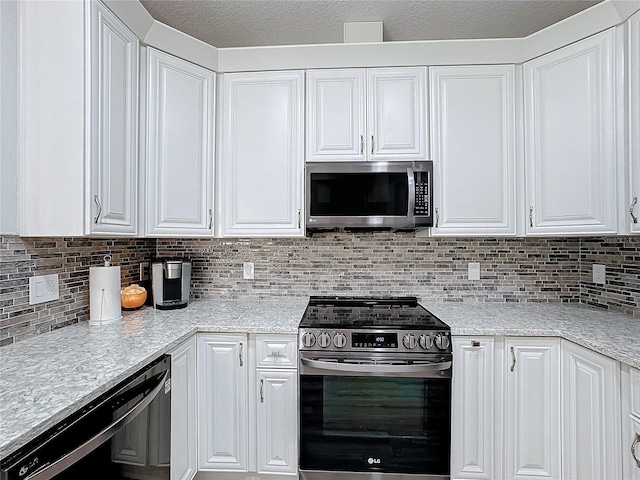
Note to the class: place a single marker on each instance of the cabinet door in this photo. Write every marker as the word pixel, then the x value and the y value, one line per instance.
pixel 473 409
pixel 184 426
pixel 472 130
pixel 634 120
pixel 396 108
pixel 591 414
pixel 277 417
pixel 180 146
pixel 570 115
pixel 532 441
pixel 113 199
pixel 632 442
pixel 336 115
pixel 630 422
pixel 222 407
pixel 262 155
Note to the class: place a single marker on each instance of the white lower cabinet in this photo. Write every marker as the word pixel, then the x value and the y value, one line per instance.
pixel 277 421
pixel 473 409
pixel 630 378
pixel 184 404
pixel 591 414
pixel 247 395
pixel 222 402
pixel 532 408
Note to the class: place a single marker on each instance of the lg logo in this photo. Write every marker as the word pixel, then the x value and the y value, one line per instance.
pixel 373 461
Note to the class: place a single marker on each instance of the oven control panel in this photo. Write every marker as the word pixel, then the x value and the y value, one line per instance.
pixel 374 340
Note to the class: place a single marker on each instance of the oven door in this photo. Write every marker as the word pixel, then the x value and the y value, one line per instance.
pixel 368 416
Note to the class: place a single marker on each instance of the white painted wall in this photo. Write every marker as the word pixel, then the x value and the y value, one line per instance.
pixel 8 116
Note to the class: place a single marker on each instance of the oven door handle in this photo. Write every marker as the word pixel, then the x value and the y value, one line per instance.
pixel 377 368
pixel 51 470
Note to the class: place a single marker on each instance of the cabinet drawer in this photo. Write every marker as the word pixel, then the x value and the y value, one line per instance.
pixel 276 351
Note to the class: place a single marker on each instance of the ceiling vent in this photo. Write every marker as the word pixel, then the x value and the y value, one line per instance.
pixel 362 32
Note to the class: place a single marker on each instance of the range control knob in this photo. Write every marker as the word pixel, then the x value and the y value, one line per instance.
pixel 340 340
pixel 426 342
pixel 324 340
pixel 442 341
pixel 308 340
pixel 409 341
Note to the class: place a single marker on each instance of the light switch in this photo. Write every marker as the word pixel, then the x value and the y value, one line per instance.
pixel 599 274
pixel 474 271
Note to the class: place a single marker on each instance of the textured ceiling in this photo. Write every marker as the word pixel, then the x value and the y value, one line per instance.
pixel 243 23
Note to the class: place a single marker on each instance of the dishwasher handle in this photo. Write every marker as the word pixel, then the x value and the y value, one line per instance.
pixel 53 469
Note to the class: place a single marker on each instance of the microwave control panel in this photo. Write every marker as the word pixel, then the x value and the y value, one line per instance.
pixel 422 193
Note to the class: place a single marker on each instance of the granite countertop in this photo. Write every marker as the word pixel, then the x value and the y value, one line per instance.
pixel 615 335
pixel 45 378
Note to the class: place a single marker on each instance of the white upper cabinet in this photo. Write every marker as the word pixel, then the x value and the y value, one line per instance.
pixel 336 115
pixel 114 124
pixel 179 147
pixel 570 139
pixel 634 121
pixel 367 114
pixel 78 145
pixel 262 160
pixel 473 145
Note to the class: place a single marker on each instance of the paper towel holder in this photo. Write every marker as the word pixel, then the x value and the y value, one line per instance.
pixel 104 294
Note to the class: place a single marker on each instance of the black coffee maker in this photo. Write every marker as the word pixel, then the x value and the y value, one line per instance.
pixel 170 282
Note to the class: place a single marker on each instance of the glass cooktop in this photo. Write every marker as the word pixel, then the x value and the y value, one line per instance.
pixel 369 312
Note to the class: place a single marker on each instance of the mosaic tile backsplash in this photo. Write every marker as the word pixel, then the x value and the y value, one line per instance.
pixel 381 263
pixel 21 258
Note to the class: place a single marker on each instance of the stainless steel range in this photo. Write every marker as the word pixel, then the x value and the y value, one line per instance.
pixel 375 390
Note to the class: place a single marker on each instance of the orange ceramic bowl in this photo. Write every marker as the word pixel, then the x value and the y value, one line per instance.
pixel 133 296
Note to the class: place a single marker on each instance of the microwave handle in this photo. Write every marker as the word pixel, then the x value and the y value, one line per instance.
pixel 412 194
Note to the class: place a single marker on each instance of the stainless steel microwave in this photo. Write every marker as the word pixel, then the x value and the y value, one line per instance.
pixel 394 195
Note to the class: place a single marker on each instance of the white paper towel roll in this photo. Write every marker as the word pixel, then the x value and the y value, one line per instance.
pixel 104 298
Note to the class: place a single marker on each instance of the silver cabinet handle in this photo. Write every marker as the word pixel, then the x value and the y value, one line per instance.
pixel 475 343
pixel 298 218
pixel 96 219
pixel 437 216
pixel 513 359
pixel 631 207
pixel 636 440
pixel 240 355
pixel 361 144
pixel 531 216
pixel 261 390
pixel 371 144
pixel 210 219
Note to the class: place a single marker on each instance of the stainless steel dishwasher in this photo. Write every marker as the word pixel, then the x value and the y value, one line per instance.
pixel 123 434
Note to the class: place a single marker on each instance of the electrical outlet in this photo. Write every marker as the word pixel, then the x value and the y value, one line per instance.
pixel 599 274
pixel 43 288
pixel 247 270
pixel 474 271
